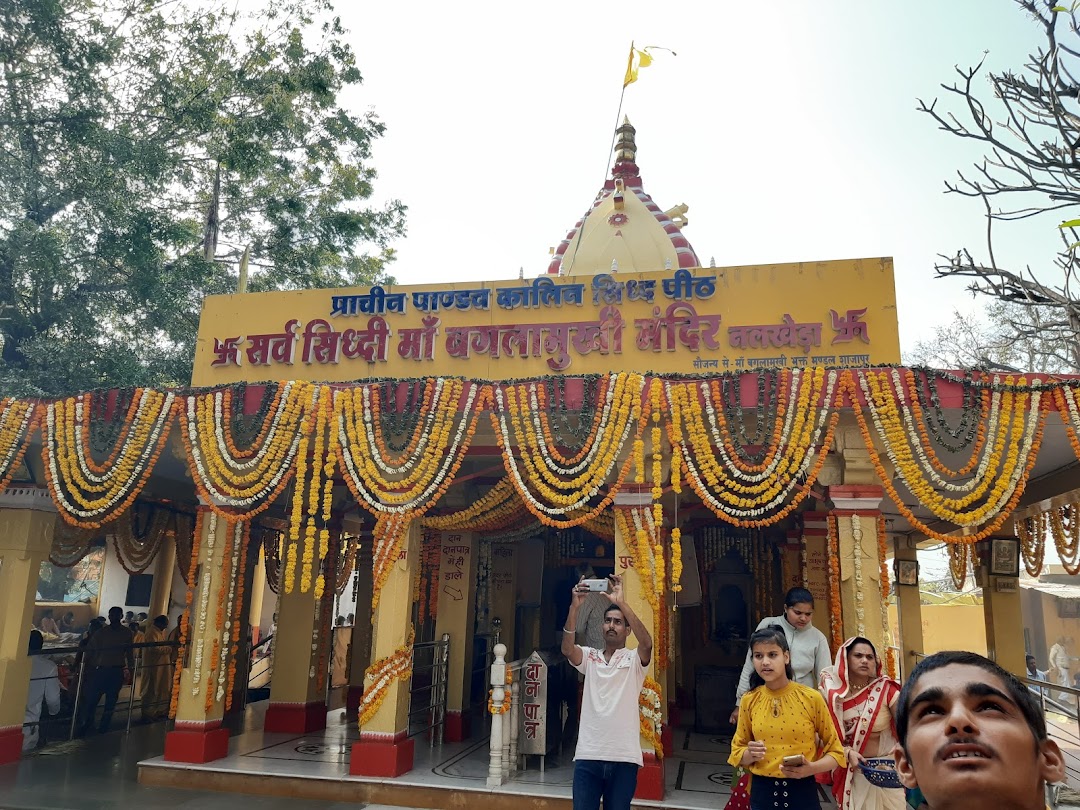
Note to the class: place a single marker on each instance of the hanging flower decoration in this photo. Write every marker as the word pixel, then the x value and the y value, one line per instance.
pixel 1015 425
pixel 138 534
pixel 1065 526
pixel 390 530
pixel 18 421
pixel 347 555
pixel 381 674
pixel 650 714
pixel 230 476
pixel 959 558
pixel 185 618
pixel 761 494
pixel 243 542
pixel 384 484
pixel 70 544
pixel 204 602
pixel 836 621
pixel 498 506
pixel 883 581
pixel 1032 533
pixel 641 534
pixel 857 560
pixel 89 494
pixel 564 492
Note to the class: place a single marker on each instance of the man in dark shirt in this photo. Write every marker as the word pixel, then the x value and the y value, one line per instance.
pixel 109 659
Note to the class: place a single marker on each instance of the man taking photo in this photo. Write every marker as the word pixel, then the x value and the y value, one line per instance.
pixel 608 749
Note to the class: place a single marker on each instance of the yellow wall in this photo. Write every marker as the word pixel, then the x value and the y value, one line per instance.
pixel 949 627
pixel 743 297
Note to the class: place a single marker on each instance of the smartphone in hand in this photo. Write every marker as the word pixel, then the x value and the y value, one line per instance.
pixel 794 761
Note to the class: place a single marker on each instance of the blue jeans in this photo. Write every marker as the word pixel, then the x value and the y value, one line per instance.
pixel 614 781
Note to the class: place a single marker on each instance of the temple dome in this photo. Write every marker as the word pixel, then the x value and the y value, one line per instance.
pixel 625 230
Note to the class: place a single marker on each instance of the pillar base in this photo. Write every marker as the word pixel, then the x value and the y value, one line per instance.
pixel 379 755
pixel 295 718
pixel 11 740
pixel 353 696
pixel 458 727
pixel 650 779
pixel 196 744
pixel 667 739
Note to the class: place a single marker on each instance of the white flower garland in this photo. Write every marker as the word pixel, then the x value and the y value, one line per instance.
pixel 807 460
pixel 978 515
pixel 134 475
pixel 857 554
pixel 369 490
pixel 545 451
pixel 230 616
pixel 204 599
pixel 512 464
pixel 251 493
pixel 425 436
pixel 730 467
pixel 13 451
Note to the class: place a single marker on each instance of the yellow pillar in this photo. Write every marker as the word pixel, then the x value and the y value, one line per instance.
pixel 1001 606
pixel 385 749
pixel 198 735
pixel 297 703
pixel 456 616
pixel 815 550
pixel 636 496
pixel 856 510
pixel 908 604
pixel 504 594
pixel 258 592
pixel 161 590
pixel 360 649
pixel 27 518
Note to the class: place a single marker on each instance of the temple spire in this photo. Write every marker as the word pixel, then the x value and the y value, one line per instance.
pixel 625 145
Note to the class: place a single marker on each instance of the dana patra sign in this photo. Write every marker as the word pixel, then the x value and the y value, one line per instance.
pixel 532 737
pixel 838 313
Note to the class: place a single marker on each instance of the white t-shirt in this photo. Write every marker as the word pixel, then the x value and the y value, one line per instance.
pixel 609 726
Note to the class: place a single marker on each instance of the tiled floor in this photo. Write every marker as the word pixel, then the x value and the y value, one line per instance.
pixel 102 772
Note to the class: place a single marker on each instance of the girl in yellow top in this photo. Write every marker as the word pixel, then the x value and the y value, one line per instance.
pixel 780 718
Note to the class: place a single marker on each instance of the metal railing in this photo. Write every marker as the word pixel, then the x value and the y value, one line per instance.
pixel 75 679
pixel 258 662
pixel 427 690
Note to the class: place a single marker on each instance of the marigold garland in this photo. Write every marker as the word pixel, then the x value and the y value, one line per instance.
pixel 883 581
pixel 238 605
pixel 959 557
pixel 18 421
pixel 88 498
pixel 185 618
pixel 650 714
pixel 836 621
pixel 1031 531
pixel 381 674
pixel 1065 526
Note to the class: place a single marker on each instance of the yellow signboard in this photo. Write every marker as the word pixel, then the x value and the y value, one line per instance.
pixel 705 320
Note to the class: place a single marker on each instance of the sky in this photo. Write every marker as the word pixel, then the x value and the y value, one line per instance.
pixel 790 129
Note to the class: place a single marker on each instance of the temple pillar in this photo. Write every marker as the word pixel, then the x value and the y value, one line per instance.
pixel 161 589
pixel 385 749
pixel 258 592
pixel 456 616
pixel 908 604
pixel 27 519
pixel 815 577
pixel 856 509
pixel 360 649
pixel 1002 609
pixel 791 571
pixel 206 675
pixel 297 694
pixel 650 784
pixel 504 595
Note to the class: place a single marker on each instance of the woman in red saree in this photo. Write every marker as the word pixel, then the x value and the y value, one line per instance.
pixel 861 700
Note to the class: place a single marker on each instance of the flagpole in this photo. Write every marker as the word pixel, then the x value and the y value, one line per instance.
pixel 618 116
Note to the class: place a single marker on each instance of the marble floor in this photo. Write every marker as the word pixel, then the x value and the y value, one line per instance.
pixel 697 774
pixel 102 771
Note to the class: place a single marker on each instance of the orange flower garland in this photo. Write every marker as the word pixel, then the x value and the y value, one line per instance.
pixel 18 421
pixel 650 714
pixel 219 617
pixel 883 580
pixel 381 674
pixel 185 618
pixel 238 604
pixel 959 554
pixel 836 621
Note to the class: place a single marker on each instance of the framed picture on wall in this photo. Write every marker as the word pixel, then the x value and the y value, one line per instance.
pixel 907 572
pixel 1004 557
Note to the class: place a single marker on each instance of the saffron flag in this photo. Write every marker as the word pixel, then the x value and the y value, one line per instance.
pixel 638 59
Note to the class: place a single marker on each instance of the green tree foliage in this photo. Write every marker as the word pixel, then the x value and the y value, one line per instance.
pixel 144 145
